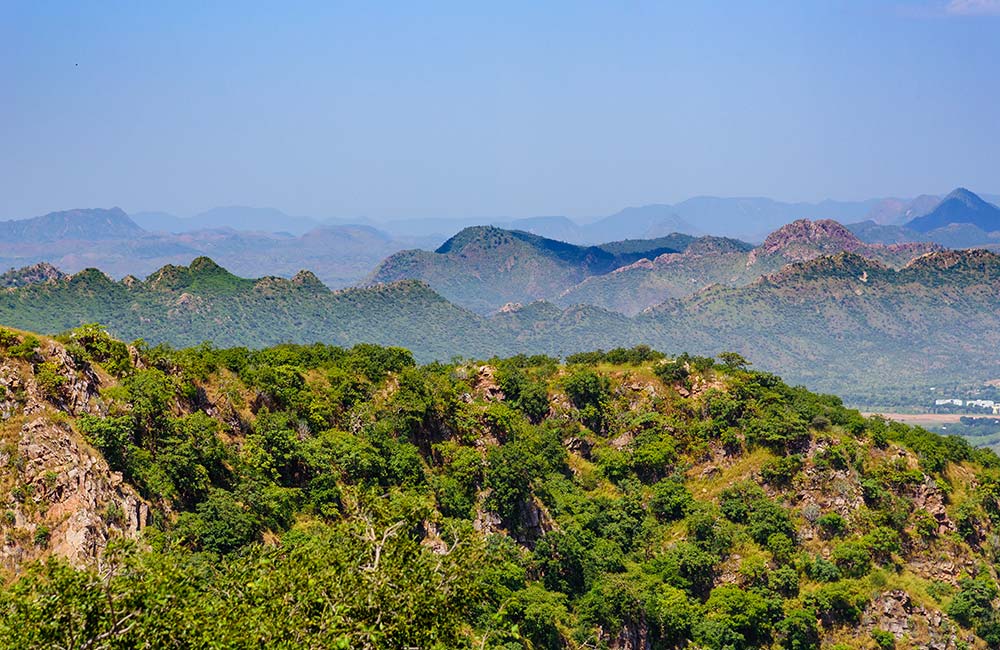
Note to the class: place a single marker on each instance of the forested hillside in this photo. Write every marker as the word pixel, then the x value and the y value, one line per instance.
pixel 844 324
pixel 315 496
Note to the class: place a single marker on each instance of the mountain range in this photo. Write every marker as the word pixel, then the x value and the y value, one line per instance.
pixel 841 323
pixel 485 268
pixel 266 241
pixel 77 239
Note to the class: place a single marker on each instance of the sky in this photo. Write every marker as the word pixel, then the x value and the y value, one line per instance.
pixel 433 109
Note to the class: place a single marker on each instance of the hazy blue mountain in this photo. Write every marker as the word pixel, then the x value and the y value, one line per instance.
pixel 109 239
pixel 257 219
pixel 876 233
pixel 82 225
pixel 645 222
pixel 161 222
pixel 893 211
pixel 561 228
pixel 483 267
pixel 963 235
pixel 237 217
pixel 960 207
pixel 753 217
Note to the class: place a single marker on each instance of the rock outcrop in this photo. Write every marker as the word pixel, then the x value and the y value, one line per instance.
pixel 63 498
pixel 58 495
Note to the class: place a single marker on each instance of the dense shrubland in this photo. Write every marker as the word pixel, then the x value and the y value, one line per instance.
pixel 314 496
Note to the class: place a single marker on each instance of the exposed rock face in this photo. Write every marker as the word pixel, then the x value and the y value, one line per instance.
pixel 485 384
pixel 63 497
pixel 57 495
pixel 894 612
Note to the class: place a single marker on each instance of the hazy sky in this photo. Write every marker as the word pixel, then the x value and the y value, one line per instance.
pixel 521 108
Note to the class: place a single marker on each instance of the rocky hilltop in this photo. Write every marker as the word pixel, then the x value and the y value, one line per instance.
pixel 634 288
pixel 804 240
pixel 33 274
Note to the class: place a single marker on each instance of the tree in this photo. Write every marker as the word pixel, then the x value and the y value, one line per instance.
pixel 733 361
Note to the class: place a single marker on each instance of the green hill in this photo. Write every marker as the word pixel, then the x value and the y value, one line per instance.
pixel 314 496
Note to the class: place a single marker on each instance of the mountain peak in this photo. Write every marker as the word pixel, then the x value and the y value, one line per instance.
pixel 960 206
pixel 307 279
pixel 89 224
pixel 964 194
pixel 203 274
pixel 481 235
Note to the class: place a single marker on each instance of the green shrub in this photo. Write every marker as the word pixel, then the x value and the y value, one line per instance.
pixel 925 524
pixel 780 471
pixel 838 602
pixel 831 525
pixel 799 631
pixel 41 537
pixel 973 607
pixel 8 338
pixel 852 558
pixel 26 349
pixel 670 500
pixel 50 381
pixel 884 640
pixel 823 570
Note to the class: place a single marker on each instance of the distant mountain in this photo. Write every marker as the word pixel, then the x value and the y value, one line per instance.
pixel 110 239
pixel 560 228
pixel 236 217
pixel 959 207
pixel 483 267
pixel 254 219
pixel 646 222
pixel 876 233
pixel 753 217
pixel 804 240
pixel 893 211
pixel 653 280
pixel 709 260
pixel 78 225
pixel 162 222
pixel 842 323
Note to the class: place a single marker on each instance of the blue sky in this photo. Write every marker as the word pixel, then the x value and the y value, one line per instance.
pixel 515 109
